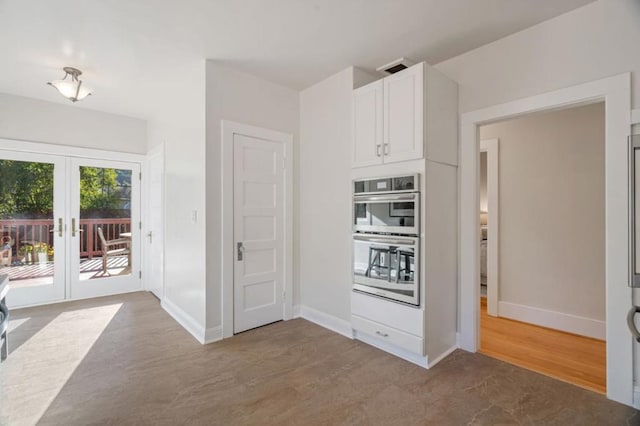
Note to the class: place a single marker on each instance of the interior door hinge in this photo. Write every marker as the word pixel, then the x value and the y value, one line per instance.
pixel 139 225
pixel 140 176
pixel 284 295
pixel 139 274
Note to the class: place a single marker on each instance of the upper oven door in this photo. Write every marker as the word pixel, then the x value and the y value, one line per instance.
pixel 389 213
pixel 387 266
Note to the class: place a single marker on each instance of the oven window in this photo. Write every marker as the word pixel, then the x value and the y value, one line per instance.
pixel 387 267
pixel 377 216
pixel 404 209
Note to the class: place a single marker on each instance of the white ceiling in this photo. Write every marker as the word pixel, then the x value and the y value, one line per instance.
pixel 128 48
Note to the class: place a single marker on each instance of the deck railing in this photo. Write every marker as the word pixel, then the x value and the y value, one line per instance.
pixel 27 232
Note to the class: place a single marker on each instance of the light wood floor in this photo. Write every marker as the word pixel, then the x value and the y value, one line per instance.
pixel 568 357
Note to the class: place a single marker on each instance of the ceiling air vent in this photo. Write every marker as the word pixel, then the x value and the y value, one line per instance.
pixel 395 66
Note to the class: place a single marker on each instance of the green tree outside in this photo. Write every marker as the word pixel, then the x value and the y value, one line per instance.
pixel 26 190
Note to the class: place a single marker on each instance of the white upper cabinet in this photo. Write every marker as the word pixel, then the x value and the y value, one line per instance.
pixel 409 115
pixel 367 125
pixel 403 115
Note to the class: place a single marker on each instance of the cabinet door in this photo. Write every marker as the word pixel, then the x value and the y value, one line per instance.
pixel 367 125
pixel 403 115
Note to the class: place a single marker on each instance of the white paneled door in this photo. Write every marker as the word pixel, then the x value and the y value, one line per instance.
pixel 259 210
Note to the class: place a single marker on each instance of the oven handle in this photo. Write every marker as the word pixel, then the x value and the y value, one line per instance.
pixel 385 240
pixel 409 196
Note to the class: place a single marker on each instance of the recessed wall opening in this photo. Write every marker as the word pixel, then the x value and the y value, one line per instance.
pixel 542 243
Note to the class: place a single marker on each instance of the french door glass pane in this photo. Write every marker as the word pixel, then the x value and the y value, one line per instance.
pixel 26 223
pixel 105 222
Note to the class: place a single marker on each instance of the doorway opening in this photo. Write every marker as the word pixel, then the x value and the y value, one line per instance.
pixel 542 243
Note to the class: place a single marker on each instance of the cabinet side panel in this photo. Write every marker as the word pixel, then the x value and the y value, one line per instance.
pixel 441 259
pixel 441 117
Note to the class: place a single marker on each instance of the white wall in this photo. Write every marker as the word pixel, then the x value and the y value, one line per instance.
pixel 552 228
pixel 240 97
pixel 589 43
pixel 180 124
pixel 325 199
pixel 47 122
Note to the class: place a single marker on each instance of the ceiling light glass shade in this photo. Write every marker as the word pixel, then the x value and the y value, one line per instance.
pixel 72 88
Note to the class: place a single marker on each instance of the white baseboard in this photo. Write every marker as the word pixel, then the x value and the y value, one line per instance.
pixel 325 320
pixel 441 356
pixel 184 319
pixel 422 361
pixel 636 397
pixel 296 311
pixel 553 319
pixel 213 334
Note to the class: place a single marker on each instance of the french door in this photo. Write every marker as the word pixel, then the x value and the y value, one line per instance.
pixel 69 227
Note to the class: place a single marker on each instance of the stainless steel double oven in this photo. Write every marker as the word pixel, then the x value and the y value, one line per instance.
pixel 386 242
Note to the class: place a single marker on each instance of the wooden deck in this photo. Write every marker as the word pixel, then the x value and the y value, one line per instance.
pixel 40 274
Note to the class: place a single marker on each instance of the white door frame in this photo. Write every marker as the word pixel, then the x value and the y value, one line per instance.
pixel 57 290
pixel 229 128
pixel 103 286
pixel 490 146
pixel 146 222
pixel 616 92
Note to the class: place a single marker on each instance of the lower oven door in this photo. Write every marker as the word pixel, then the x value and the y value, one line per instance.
pixel 387 266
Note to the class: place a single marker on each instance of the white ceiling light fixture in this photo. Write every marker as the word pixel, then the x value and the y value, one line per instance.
pixel 73 88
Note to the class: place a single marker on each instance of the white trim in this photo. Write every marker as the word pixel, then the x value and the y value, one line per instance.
pixel 490 146
pixel 635 116
pixel 344 328
pixel 616 92
pixel 146 187
pixel 213 334
pixel 552 319
pixel 441 356
pixel 636 397
pixel 296 311
pixel 184 319
pixel 414 358
pixel 325 320
pixel 69 151
pixel 228 129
